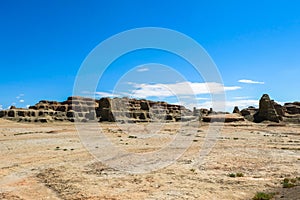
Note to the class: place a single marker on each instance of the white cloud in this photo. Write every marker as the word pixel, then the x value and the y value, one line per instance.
pixel 27 106
pixel 21 101
pixel 202 98
pixel 244 103
pixel 180 88
pixel 250 81
pixel 99 94
pixel 142 69
pixel 229 105
pixel 130 83
pixel 1 107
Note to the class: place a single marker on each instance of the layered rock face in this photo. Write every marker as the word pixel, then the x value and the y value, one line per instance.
pixel 74 108
pixel 133 110
pixel 292 108
pixel 266 110
pixel 106 109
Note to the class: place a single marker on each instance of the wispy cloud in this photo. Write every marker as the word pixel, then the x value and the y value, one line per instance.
pixel 180 88
pixel 21 100
pixel 99 94
pixel 1 107
pixel 19 96
pixel 250 81
pixel 142 69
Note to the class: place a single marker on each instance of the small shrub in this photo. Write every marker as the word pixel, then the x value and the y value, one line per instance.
pixel 132 136
pixel 233 175
pixel 287 183
pixel 239 174
pixel 293 180
pixel 263 196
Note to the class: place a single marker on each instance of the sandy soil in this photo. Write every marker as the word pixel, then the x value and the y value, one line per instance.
pixel 48 161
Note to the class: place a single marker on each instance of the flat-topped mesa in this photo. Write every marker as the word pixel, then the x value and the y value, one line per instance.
pixel 139 110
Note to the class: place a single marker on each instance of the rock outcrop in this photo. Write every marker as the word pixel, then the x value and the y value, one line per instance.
pixel 292 108
pixel 266 110
pixel 223 118
pixel 82 109
pixel 134 110
pixel 273 111
pixel 236 110
pixel 74 108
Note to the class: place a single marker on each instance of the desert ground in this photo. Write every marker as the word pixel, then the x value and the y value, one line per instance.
pixel 49 161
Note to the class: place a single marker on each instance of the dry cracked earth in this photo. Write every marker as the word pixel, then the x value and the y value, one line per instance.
pixel 49 161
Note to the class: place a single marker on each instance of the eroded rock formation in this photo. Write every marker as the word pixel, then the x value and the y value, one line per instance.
pixel 106 109
pixel 133 110
pixel 266 110
pixel 74 108
pixel 81 109
pixel 236 110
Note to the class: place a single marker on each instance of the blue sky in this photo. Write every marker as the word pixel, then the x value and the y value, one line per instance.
pixel 255 45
